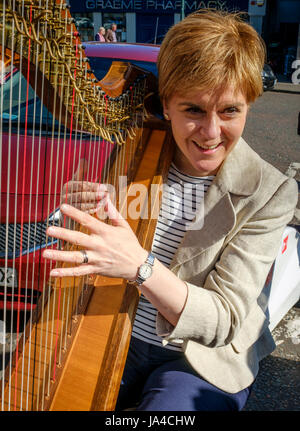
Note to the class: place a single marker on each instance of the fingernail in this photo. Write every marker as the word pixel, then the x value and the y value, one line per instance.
pixel 64 207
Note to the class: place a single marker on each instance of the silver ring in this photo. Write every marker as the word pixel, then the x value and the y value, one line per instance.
pixel 85 256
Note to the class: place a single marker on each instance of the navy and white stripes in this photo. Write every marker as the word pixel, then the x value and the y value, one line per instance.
pixel 182 197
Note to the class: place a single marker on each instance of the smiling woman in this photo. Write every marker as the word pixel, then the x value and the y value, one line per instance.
pixel 201 323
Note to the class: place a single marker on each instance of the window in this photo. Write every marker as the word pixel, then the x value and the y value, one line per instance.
pixel 16 102
pixel 101 65
pixel 85 25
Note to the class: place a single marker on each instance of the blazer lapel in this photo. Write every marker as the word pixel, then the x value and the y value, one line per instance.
pixel 240 175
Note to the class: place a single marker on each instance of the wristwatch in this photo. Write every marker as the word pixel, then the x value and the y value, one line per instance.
pixel 145 270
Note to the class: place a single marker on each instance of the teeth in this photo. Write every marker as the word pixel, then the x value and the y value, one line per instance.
pixel 204 147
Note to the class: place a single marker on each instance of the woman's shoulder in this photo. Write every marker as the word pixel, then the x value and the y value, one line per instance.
pixel 249 175
pixel 276 178
pixel 269 172
pixel 273 181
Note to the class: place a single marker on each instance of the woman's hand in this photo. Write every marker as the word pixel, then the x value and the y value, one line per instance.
pixel 83 195
pixel 79 193
pixel 112 250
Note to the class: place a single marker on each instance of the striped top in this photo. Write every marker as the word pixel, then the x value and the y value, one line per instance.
pixel 182 197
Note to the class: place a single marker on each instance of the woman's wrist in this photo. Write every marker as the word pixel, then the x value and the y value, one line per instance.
pixel 141 258
pixel 166 292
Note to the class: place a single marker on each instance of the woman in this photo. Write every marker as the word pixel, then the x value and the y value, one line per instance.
pixel 202 350
pixel 100 36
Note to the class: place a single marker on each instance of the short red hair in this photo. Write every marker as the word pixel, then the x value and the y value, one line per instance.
pixel 209 50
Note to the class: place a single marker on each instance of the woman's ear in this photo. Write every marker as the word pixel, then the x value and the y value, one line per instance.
pixel 165 108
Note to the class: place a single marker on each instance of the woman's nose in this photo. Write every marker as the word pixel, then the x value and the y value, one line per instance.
pixel 210 127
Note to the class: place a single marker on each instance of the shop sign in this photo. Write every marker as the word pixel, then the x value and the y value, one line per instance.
pixel 154 5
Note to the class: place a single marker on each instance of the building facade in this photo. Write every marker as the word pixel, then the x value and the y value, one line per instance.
pixel 143 21
pixel 146 21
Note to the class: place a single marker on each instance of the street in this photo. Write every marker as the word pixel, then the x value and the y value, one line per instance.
pixel 272 131
pixel 271 128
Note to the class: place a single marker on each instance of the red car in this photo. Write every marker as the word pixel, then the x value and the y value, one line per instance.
pixel 34 169
pixel 102 54
pixel 31 176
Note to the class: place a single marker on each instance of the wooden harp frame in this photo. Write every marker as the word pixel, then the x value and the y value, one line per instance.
pixel 82 369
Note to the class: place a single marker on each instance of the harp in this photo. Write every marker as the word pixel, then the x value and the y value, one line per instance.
pixel 63 344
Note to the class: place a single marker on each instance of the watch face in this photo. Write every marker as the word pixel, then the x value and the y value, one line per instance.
pixel 145 270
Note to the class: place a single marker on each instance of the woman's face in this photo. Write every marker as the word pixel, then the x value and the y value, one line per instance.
pixel 206 126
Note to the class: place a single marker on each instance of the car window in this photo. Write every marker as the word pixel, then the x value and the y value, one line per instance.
pixel 101 65
pixel 21 104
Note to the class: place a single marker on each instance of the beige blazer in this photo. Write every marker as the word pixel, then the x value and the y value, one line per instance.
pixel 223 327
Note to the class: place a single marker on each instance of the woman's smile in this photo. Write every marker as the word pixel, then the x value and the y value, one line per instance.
pixel 207 149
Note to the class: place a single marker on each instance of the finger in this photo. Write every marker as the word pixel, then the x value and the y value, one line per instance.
pixel 81 170
pixel 114 215
pixel 85 219
pixel 72 236
pixel 75 271
pixel 78 186
pixel 78 197
pixel 86 207
pixel 64 256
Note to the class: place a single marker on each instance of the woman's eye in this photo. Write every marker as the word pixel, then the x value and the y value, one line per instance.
pixel 231 110
pixel 194 110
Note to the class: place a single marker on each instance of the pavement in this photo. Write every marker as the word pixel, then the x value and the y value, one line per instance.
pixel 277 386
pixel 286 87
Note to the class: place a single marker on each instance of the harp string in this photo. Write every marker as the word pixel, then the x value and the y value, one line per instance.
pixel 22 212
pixel 34 168
pixel 3 71
pixel 39 365
pixel 4 300
pixel 7 215
pixel 42 157
pixel 9 294
pixel 69 295
pixel 65 151
pixel 25 241
pixel 50 210
pixel 44 144
pixel 56 361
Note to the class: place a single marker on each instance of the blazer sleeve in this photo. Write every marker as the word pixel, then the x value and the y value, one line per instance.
pixel 214 313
